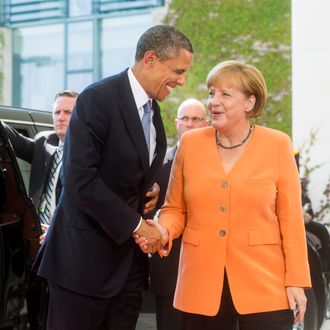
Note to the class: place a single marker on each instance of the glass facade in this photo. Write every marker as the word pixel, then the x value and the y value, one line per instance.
pixel 38 65
pixel 79 64
pixel 118 39
pixel 80 7
pixel 68 44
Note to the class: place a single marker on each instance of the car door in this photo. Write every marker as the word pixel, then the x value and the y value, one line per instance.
pixel 19 232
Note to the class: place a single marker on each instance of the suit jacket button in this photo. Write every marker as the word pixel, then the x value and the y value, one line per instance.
pixel 223 208
pixel 222 233
pixel 224 184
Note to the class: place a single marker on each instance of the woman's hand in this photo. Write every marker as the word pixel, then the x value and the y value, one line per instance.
pixel 297 301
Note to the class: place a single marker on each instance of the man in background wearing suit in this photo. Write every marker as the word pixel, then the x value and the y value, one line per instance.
pixel 113 151
pixel 163 271
pixel 39 151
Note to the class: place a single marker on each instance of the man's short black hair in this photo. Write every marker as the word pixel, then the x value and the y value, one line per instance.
pixel 165 40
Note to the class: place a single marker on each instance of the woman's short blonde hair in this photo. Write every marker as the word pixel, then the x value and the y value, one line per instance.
pixel 248 79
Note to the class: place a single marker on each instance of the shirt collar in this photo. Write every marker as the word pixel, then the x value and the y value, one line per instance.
pixel 139 94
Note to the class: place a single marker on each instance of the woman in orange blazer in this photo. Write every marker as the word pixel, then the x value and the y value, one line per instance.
pixel 235 195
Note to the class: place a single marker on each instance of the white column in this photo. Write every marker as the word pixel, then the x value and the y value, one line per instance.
pixel 6 66
pixel 311 85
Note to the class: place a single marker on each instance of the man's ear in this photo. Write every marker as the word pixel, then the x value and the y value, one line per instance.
pixel 150 57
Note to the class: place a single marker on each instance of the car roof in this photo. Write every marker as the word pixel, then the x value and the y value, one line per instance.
pixel 28 120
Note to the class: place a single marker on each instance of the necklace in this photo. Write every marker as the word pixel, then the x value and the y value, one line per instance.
pixel 217 139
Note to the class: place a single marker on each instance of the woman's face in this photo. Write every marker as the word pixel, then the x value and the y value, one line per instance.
pixel 228 106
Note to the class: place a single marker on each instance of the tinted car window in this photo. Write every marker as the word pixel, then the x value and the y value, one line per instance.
pixel 27 122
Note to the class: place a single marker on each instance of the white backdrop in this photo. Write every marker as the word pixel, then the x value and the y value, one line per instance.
pixel 311 85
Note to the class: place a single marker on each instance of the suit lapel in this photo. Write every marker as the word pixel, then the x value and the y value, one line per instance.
pixel 161 143
pixel 134 127
pixel 49 152
pixel 132 119
pixel 170 153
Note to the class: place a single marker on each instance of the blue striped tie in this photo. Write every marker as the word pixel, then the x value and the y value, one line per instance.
pixel 46 208
pixel 146 121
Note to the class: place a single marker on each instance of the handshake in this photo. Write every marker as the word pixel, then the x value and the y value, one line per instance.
pixel 151 237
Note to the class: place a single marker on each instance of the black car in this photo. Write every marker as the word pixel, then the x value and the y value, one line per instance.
pixel 19 225
pixel 19 231
pixel 318 298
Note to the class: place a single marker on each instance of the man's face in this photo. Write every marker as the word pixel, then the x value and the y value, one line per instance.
pixel 62 109
pixel 164 76
pixel 190 117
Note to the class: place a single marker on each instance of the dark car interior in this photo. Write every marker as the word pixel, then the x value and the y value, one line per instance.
pixel 19 232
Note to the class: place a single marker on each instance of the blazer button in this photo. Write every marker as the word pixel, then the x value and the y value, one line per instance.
pixel 224 184
pixel 222 232
pixel 223 208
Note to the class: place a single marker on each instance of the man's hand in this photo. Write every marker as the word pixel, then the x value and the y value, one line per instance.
pixel 297 301
pixel 150 237
pixel 151 248
pixel 44 233
pixel 152 196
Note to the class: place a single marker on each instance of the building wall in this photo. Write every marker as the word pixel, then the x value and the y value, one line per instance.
pixel 69 45
pixel 5 66
pixel 71 55
pixel 311 86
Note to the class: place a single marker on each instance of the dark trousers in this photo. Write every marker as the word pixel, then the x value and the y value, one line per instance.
pixel 37 302
pixel 73 311
pixel 167 317
pixel 229 319
pixel 70 311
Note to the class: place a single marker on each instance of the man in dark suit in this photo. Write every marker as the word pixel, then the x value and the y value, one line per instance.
pixel 163 271
pixel 39 151
pixel 95 270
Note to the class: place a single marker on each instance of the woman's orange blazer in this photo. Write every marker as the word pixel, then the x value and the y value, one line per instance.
pixel 248 222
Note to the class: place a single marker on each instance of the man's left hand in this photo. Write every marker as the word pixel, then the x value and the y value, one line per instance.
pixel 44 233
pixel 152 196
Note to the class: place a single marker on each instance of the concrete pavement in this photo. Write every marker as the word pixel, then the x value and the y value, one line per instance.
pixel 146 321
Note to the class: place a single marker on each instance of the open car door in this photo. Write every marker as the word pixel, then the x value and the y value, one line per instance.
pixel 19 232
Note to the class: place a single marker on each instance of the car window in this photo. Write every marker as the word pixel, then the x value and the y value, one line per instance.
pixel 29 123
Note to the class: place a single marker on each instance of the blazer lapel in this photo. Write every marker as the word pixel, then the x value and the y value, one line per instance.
pixel 134 127
pixel 161 143
pixel 49 152
pixel 170 153
pixel 132 119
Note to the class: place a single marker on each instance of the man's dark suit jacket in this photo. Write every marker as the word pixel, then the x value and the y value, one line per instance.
pixel 163 271
pixel 89 247
pixel 38 152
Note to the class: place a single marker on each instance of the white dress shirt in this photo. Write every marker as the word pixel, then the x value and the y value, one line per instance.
pixel 141 98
